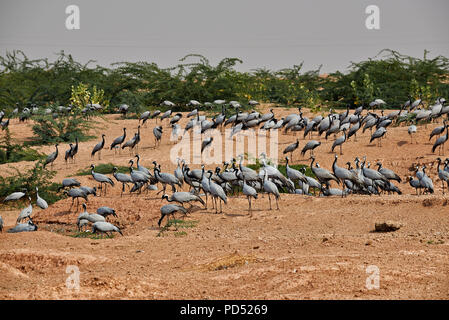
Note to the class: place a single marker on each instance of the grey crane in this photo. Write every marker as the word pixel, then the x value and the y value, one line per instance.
pixel 175 130
pixel 52 157
pixel 370 121
pixel 412 130
pixel 378 134
pixel 176 118
pixel 68 153
pixel 442 174
pixel 339 141
pixel 206 125
pixel 328 192
pixel 130 143
pixel 372 174
pixel 267 116
pixel 354 128
pixel 438 130
pixel 206 142
pixel 4 124
pixel 220 119
pixel 101 178
pixel 123 178
pixel 157 132
pixel 245 172
pixel 440 142
pixel 76 193
pixel 167 103
pixel 105 227
pixel 253 102
pixel 74 150
pixel 41 203
pixel 165 178
pixel 155 114
pixel 426 182
pixel 344 174
pixel 311 145
pixel 69 182
pixel 142 168
pixel 324 176
pixel 387 173
pixel 136 175
pixel 293 174
pixel 118 141
pixel 178 171
pixel 89 190
pixel 82 223
pixel 183 197
pixel 271 188
pixel 273 172
pixel 414 183
pixel 15 196
pixel 23 227
pixel 98 147
pixel 170 210
pixel 291 148
pixel 95 217
pixel 106 211
pixel 249 192
pixel 26 212
pixel 334 128
pixel 144 117
pixel 217 192
pixel 190 125
pixel 166 114
pixel 193 103
pixel 133 143
pixel 205 185
pixel 123 109
pixel 83 215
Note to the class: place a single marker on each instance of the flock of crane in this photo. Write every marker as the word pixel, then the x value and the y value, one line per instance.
pixel 219 183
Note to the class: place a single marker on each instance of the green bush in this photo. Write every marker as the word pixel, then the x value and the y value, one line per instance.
pixel 389 75
pixel 37 176
pixel 16 152
pixel 62 129
pixel 104 168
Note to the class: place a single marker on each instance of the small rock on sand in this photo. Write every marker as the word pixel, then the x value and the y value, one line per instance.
pixel 387 226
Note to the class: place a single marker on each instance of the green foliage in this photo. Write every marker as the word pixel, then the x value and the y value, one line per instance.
pixel 90 235
pixel 104 168
pixel 10 152
pixel 48 130
pixel 37 176
pixel 393 78
pixel 142 85
pixel 177 223
pixel 81 96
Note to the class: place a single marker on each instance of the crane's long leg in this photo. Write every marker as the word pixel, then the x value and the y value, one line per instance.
pixel 269 199
pixel 216 206
pixel 277 202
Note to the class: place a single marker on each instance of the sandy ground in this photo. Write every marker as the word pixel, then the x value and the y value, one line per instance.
pixel 312 248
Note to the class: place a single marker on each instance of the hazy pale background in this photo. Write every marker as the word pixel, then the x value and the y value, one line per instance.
pixel 263 33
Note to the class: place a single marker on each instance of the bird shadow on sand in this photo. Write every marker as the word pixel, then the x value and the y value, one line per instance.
pixel 237 214
pixel 401 143
pixel 65 213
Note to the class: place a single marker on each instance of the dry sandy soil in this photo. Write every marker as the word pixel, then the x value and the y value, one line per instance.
pixel 312 248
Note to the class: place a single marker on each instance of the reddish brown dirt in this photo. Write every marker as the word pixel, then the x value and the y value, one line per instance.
pixel 313 248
